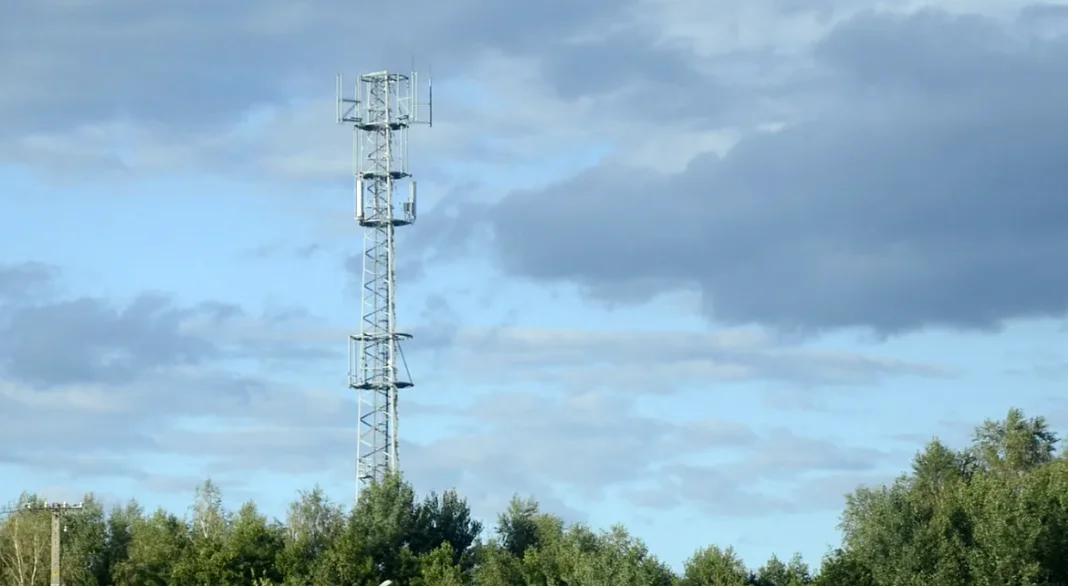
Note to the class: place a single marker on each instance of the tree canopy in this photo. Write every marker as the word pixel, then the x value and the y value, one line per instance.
pixel 992 514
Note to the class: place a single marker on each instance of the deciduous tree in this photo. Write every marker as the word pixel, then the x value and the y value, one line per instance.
pixel 994 513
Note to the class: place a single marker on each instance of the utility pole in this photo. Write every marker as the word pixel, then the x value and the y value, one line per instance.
pixel 57 510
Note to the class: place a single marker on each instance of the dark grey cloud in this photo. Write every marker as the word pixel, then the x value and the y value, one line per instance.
pixel 82 339
pixel 197 64
pixel 630 63
pixel 925 189
pixel 243 90
pixel 49 339
pixel 101 379
pixel 22 281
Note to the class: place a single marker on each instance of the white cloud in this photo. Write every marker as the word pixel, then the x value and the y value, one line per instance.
pixel 527 90
pixel 661 361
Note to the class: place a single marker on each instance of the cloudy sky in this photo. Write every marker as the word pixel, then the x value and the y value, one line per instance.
pixel 698 267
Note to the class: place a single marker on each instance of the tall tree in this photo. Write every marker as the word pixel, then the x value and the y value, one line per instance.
pixel 446 519
pixel 119 533
pixel 1016 444
pixel 158 553
pixel 85 560
pixel 210 519
pixel 516 527
pixel 313 523
pixel 438 568
pixel 251 548
pixel 25 539
pixel 982 516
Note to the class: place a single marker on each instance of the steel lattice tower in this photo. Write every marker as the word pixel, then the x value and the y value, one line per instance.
pixel 381 108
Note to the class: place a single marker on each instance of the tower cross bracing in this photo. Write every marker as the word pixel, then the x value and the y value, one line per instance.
pixel 381 109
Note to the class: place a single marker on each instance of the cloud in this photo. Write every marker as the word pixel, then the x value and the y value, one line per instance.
pixel 1043 365
pixel 512 84
pixel 660 362
pixel 151 379
pixel 802 165
pixel 598 444
pixel 921 188
pixel 227 67
pixel 590 445
pixel 22 281
pixel 55 340
pixel 810 477
pixel 88 382
pixel 580 441
pixel 264 52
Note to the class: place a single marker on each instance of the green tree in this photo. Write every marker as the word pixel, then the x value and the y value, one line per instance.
pixel 992 514
pixel 206 561
pixel 86 560
pixel 446 519
pixel 613 557
pixel 439 568
pixel 516 527
pixel 346 561
pixel 985 515
pixel 385 524
pixel 118 536
pixel 252 548
pixel 713 566
pixel 496 566
pixel 157 553
pixel 839 568
pixel 25 544
pixel 777 573
pixel 1016 444
pixel 312 525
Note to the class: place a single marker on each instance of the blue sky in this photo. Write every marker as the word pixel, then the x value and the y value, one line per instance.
pixel 699 279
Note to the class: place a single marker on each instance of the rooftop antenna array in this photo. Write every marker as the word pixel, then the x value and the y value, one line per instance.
pixel 380 109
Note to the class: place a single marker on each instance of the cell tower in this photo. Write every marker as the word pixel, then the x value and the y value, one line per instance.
pixel 381 108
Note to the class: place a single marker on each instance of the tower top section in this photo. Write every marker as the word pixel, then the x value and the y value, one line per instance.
pixel 384 99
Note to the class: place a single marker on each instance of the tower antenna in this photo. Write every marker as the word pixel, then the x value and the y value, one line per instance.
pixel 381 108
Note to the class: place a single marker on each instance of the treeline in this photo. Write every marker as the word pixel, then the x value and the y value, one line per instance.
pixel 993 514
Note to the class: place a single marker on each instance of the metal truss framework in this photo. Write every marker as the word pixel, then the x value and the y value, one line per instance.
pixel 382 108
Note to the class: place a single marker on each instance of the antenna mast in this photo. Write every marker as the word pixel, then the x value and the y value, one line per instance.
pixel 381 108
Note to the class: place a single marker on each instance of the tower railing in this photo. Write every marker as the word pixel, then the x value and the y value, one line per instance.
pixel 380 109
